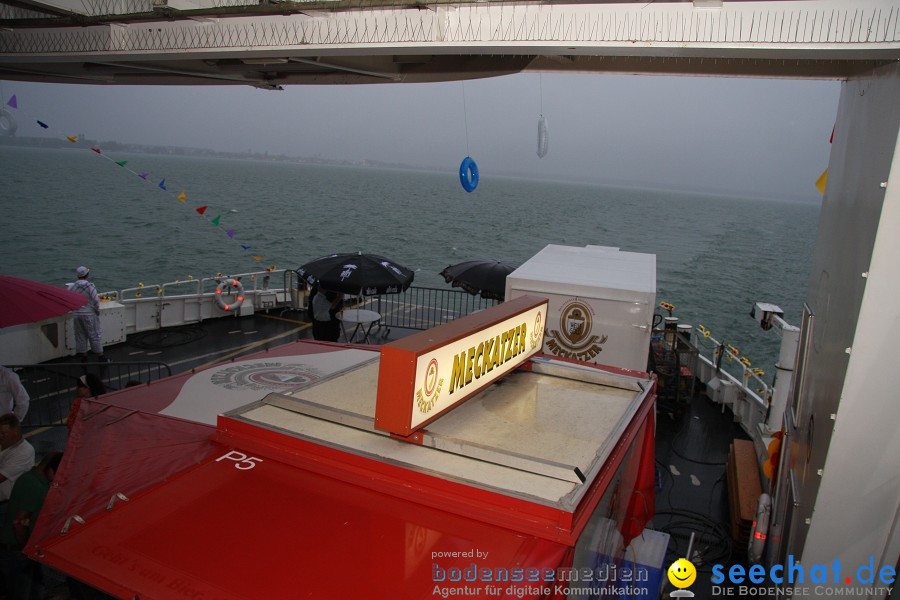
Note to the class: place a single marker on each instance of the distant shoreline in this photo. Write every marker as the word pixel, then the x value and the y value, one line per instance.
pixel 111 146
pixel 84 143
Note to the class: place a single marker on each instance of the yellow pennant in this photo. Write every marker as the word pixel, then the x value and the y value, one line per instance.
pixel 182 197
pixel 72 138
pixel 821 181
pixel 257 258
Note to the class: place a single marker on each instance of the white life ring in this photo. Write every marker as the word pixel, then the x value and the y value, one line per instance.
pixel 227 288
pixel 760 529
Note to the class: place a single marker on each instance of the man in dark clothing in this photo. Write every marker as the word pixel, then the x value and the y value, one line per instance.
pixel 325 306
pixel 23 575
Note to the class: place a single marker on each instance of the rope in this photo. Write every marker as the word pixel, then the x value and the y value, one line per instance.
pixel 541 85
pixel 465 117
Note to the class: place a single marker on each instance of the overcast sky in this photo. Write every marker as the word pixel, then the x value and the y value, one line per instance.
pixel 751 136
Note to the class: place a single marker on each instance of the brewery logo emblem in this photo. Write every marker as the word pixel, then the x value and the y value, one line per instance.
pixel 575 338
pixel 266 376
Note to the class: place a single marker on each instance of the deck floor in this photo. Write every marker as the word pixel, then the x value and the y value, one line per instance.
pixel 692 442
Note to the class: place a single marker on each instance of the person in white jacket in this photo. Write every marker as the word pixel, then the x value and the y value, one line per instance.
pixel 13 396
pixel 88 334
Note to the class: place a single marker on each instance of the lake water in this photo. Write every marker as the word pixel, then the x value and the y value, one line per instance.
pixel 716 255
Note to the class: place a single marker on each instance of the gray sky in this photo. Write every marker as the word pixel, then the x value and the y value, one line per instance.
pixel 751 136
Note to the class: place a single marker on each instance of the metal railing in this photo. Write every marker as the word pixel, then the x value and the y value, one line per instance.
pixel 727 358
pixel 423 308
pixel 253 281
pixel 51 386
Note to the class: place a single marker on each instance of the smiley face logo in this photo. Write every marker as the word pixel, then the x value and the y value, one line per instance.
pixel 682 573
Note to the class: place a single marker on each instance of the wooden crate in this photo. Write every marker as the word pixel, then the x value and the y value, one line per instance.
pixel 744 490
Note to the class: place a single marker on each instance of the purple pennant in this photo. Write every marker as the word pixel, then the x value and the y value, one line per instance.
pixel 13 103
pixel 144 175
pixel 231 233
pixel 44 125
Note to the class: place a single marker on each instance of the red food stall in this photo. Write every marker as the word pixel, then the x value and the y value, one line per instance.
pixel 455 462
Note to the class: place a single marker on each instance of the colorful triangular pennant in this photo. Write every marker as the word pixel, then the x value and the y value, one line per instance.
pixel 821 181
pixel 202 209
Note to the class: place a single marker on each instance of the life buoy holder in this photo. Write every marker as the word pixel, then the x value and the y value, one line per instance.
pixel 760 530
pixel 468 174
pixel 228 287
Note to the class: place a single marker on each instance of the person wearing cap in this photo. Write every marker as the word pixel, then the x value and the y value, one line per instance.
pixel 88 334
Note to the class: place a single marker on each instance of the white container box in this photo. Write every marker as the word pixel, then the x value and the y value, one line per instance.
pixel 601 302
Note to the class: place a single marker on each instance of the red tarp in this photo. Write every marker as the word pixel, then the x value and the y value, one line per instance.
pixel 240 528
pixel 115 450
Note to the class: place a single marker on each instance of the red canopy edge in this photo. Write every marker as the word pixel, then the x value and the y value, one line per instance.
pixel 116 450
pixel 239 528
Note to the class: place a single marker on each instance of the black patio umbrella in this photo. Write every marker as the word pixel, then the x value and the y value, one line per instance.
pixel 484 277
pixel 357 274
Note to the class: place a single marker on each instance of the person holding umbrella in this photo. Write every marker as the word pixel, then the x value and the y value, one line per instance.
pixel 326 305
pixel 350 273
pixel 88 334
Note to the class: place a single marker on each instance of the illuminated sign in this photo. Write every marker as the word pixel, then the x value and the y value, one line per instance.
pixel 425 375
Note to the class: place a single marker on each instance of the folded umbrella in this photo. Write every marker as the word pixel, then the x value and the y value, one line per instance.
pixel 480 277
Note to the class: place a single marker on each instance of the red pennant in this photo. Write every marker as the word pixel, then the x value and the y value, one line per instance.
pixel 97 150
pixel 202 209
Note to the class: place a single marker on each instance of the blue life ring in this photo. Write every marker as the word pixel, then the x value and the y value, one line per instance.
pixel 468 174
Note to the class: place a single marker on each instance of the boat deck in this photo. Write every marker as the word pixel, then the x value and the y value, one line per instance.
pixel 691 443
pixel 149 356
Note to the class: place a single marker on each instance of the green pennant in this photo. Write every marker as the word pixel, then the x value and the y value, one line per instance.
pixel 216 220
pixel 121 163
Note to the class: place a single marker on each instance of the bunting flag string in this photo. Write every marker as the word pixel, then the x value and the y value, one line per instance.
pixel 182 196
pixel 822 181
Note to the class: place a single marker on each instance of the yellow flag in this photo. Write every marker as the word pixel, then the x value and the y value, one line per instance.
pixel 182 197
pixel 72 138
pixel 821 181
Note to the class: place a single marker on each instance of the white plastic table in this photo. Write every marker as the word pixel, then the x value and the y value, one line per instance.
pixel 359 319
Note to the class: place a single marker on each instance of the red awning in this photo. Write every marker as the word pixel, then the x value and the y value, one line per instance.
pixel 115 450
pixel 242 526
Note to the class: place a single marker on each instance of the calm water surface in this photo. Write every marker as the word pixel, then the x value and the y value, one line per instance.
pixel 716 255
